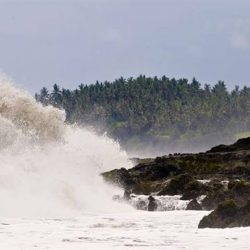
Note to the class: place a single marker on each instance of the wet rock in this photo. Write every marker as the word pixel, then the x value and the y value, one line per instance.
pixel 126 195
pixel 241 144
pixel 194 205
pixel 152 205
pixel 145 178
pixel 193 189
pixel 177 174
pixel 120 177
pixel 148 187
pixel 216 185
pixel 176 185
pixel 157 170
pixel 213 199
pixel 239 191
pixel 227 214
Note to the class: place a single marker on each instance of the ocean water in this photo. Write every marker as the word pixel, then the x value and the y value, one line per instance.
pixel 127 230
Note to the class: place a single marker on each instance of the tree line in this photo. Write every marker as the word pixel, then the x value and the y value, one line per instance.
pixel 157 112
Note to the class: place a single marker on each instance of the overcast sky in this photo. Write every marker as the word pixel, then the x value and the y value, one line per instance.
pixel 69 42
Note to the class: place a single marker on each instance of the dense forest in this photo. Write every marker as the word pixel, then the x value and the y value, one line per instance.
pixel 157 114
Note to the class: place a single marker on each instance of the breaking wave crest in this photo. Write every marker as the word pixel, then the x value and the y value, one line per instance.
pixel 49 168
pixel 21 116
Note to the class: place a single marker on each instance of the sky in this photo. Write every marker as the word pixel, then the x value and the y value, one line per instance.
pixel 70 42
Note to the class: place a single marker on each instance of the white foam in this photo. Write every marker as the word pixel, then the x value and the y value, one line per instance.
pixel 172 230
pixel 164 202
pixel 48 167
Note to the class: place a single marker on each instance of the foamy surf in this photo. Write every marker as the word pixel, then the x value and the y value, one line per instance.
pixel 49 168
pixel 174 230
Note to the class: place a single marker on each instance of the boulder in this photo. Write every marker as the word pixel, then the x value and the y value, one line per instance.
pixel 120 177
pixel 156 170
pixel 126 195
pixel 193 189
pixel 239 191
pixel 227 214
pixel 152 205
pixel 176 185
pixel 194 205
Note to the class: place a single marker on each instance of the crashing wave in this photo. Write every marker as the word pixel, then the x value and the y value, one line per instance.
pixel 48 167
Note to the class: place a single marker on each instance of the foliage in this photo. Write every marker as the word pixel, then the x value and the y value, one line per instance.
pixel 160 111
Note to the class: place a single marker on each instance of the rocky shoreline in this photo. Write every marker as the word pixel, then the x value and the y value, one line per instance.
pixel 221 176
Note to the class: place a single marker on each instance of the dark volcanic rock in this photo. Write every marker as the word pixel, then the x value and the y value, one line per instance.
pixel 149 175
pixel 152 205
pixel 194 205
pixel 178 174
pixel 153 171
pixel 241 144
pixel 212 200
pixel 227 214
pixel 126 195
pixel 120 177
pixel 145 177
pixel 239 191
pixel 186 186
pixel 176 185
pixel 193 189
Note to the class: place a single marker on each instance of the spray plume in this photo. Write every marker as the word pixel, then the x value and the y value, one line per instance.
pixel 49 168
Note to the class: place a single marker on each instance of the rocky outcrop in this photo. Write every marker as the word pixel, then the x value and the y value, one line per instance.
pixel 177 185
pixel 241 144
pixel 219 175
pixel 120 177
pixel 144 178
pixel 194 205
pixel 227 214
pixel 149 174
pixel 239 191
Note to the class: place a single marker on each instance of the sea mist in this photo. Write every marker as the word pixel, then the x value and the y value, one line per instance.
pixel 48 168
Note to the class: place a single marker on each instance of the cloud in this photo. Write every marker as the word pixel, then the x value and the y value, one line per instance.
pixel 239 41
pixel 235 30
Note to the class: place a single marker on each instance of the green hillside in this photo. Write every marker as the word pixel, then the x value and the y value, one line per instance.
pixel 157 113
